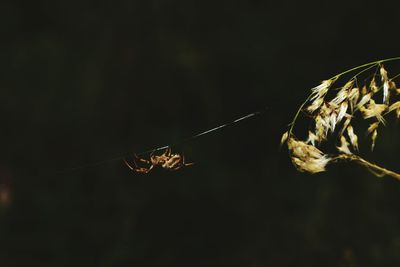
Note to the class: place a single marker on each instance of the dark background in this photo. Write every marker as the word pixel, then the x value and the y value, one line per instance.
pixel 82 84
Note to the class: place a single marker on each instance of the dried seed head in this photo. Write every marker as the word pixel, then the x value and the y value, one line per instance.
pixel 300 149
pixel 344 146
pixel 332 121
pixel 372 86
pixel 354 95
pixel 322 89
pixel 342 95
pixel 364 100
pixel 311 165
pixel 342 111
pixel 329 112
pixel 386 94
pixel 315 105
pixel 374 110
pixel 394 106
pixel 326 109
pixel 320 128
pixel 392 85
pixel 372 127
pixel 373 138
pixel 327 124
pixel 383 72
pixel 284 138
pixel 353 137
pixel 345 125
pixel 312 138
pixel 348 85
pixel 327 116
pixel 306 157
pixel 364 90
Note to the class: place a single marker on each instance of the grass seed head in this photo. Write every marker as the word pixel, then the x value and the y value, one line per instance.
pixel 332 111
pixel 345 125
pixel 374 110
pixel 392 85
pixel 364 100
pixel 320 128
pixel 342 111
pixel 312 138
pixel 394 106
pixel 333 121
pixel 373 139
pixel 315 105
pixel 372 127
pixel 353 137
pixel 383 72
pixel 354 95
pixel 373 86
pixel 322 89
pixel 284 137
pixel 386 94
pixel 342 95
pixel 307 158
pixel 344 146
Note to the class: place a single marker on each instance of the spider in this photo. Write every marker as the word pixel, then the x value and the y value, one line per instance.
pixel 167 160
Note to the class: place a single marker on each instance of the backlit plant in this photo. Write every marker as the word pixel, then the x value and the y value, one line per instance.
pixel 335 107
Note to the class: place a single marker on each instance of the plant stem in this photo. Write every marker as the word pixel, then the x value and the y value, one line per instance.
pixel 375 169
pixel 365 65
pixel 297 115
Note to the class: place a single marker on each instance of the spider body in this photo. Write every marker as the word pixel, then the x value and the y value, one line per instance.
pixel 167 160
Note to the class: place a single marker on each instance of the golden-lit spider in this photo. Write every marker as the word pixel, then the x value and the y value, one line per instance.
pixel 167 160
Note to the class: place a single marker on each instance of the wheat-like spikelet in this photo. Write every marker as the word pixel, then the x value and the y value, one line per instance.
pixel 333 112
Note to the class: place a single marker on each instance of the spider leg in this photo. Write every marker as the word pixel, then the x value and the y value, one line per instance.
pixel 129 166
pixel 177 167
pixel 141 159
pixel 181 164
pixel 184 163
pixel 144 170
pixel 135 168
pixel 168 152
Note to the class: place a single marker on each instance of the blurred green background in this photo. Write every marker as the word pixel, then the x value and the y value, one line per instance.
pixel 84 83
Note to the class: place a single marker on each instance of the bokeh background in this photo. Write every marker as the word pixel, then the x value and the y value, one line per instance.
pixel 83 84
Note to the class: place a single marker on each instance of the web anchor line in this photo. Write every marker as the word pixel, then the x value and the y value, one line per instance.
pixel 248 116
